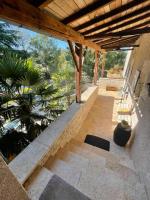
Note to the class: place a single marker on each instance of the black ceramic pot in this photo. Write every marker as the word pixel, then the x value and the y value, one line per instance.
pixel 122 133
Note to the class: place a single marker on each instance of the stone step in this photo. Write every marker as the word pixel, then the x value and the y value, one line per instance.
pixel 90 155
pixel 101 185
pixel 87 179
pixel 117 154
pixel 97 161
pixel 36 184
pixel 74 165
pixel 98 151
pixel 75 159
pixel 67 172
pixel 95 177
pixel 137 192
pixel 126 174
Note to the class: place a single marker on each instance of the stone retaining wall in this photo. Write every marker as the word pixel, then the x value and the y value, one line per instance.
pixel 54 137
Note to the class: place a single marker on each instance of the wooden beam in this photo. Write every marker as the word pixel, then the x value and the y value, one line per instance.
pixel 45 3
pixel 127 49
pixel 23 13
pixel 123 33
pixel 130 22
pixel 121 46
pixel 107 41
pixel 129 41
pixel 40 3
pixel 117 20
pixel 116 41
pixel 86 10
pixel 112 13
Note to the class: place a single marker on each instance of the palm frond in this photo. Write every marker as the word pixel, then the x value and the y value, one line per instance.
pixel 12 67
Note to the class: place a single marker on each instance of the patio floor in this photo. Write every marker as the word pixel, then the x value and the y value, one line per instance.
pixel 101 119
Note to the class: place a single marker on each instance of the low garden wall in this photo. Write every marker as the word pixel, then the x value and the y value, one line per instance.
pixel 54 137
pixel 111 82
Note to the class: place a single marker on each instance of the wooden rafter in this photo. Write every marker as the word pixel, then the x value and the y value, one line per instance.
pixel 130 22
pixel 123 33
pixel 87 10
pixel 120 49
pixel 129 41
pixel 116 40
pixel 121 46
pixel 117 20
pixel 110 14
pixel 40 3
pixel 23 13
pixel 107 41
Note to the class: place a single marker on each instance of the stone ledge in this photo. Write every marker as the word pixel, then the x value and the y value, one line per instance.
pixel 53 138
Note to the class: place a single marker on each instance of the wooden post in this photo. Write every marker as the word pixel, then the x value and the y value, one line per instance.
pixel 103 64
pixel 78 57
pixel 78 52
pixel 96 67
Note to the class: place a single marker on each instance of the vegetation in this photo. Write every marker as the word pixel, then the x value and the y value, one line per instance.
pixel 36 85
pixel 115 58
pixel 8 38
pixel 31 91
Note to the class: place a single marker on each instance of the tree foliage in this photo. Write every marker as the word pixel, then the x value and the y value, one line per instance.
pixel 8 38
pixel 45 52
pixel 88 66
pixel 114 58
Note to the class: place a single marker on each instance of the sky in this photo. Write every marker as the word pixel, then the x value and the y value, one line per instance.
pixel 28 34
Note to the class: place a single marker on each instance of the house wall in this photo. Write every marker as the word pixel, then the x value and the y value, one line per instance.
pixel 10 189
pixel 140 149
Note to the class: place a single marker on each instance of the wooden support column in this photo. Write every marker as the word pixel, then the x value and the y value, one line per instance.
pixel 78 58
pixel 78 73
pixel 103 64
pixel 96 67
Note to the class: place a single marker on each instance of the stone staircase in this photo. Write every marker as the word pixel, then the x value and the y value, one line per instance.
pixel 98 174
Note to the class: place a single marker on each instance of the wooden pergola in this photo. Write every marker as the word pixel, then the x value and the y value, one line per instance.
pixel 102 25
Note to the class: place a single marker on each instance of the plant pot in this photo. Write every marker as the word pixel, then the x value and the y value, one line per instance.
pixel 122 133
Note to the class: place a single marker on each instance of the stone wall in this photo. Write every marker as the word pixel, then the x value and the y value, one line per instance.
pixel 10 189
pixel 111 82
pixel 140 149
pixel 54 137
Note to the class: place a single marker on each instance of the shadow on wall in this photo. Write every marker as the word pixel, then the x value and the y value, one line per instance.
pixel 140 144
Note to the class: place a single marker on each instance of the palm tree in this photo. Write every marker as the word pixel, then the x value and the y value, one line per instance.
pixel 22 86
